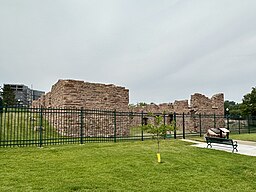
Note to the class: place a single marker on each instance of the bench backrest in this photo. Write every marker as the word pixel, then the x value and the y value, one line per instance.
pixel 219 140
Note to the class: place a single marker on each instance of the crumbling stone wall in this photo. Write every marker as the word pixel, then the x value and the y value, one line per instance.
pixel 73 94
pixel 199 104
pixel 77 94
pixel 211 109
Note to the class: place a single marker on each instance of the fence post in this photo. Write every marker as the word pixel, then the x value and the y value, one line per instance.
pixel 115 125
pixel 249 131
pixel 81 124
pixel 239 126
pixel 164 118
pixel 174 117
pixel 183 125
pixel 214 120
pixel 200 124
pixel 142 123
pixel 228 122
pixel 41 127
pixel 1 117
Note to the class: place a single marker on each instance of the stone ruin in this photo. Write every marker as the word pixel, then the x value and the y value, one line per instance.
pixel 74 94
pixel 77 95
pixel 199 105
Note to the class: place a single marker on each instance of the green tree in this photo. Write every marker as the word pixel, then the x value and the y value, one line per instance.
pixel 159 129
pixel 249 103
pixel 234 109
pixel 1 105
pixel 8 96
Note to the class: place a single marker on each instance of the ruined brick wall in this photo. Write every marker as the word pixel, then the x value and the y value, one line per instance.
pixel 73 94
pixel 77 94
pixel 39 102
pixel 212 110
pixel 199 104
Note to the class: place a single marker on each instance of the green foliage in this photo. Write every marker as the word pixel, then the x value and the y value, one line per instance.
pixel 158 128
pixel 8 96
pixel 247 107
pixel 234 108
pixel 141 104
pixel 249 103
pixel 1 105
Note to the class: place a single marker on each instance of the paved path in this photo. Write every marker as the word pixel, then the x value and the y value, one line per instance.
pixel 244 147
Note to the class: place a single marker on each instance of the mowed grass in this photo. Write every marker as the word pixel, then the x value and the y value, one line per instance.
pixel 244 137
pixel 126 166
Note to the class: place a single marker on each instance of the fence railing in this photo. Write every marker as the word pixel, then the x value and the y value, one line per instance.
pixel 21 126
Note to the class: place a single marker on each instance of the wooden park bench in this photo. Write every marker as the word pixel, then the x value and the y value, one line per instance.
pixel 210 140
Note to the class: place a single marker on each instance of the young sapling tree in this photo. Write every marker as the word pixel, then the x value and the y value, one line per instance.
pixel 158 129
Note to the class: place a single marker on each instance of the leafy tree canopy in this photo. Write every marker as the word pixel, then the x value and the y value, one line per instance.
pixel 249 103
pixel 158 128
pixel 234 109
pixel 8 96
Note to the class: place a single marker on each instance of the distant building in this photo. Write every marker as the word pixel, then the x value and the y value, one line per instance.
pixel 23 94
pixel 37 94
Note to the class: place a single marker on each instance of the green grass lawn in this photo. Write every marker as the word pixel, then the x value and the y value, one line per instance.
pixel 125 166
pixel 244 137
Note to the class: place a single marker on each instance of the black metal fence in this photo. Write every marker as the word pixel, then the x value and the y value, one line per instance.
pixel 240 125
pixel 21 126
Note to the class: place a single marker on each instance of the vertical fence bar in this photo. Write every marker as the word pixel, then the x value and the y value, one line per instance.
pixel 81 124
pixel 228 122
pixel 4 127
pixel 19 128
pixel 142 123
pixel 200 124
pixel 214 120
pixel 41 128
pixel 31 117
pixel 249 130
pixel 8 126
pixel 183 125
pixel 174 117
pixel 164 118
pixel 11 126
pixel 14 142
pixel 239 126
pixel 1 117
pixel 115 126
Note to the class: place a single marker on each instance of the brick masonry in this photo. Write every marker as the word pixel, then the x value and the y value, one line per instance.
pixel 79 94
pixel 199 104
pixel 74 94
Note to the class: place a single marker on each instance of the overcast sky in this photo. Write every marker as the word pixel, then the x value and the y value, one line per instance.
pixel 161 50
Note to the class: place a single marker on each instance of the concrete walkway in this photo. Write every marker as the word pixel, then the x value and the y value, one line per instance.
pixel 244 147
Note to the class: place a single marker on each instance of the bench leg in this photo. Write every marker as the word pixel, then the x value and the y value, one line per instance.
pixel 234 148
pixel 209 144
